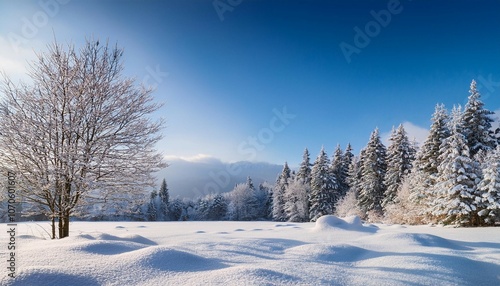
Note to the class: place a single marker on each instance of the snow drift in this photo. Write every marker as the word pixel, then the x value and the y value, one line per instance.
pixel 351 223
pixel 332 251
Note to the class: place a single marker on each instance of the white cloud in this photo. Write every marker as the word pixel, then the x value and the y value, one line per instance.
pixel 14 62
pixel 198 158
pixel 416 132
pixel 413 131
pixel 10 65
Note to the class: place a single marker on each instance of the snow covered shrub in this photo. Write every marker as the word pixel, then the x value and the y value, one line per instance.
pixel 405 209
pixel 348 206
pixel 296 205
pixel 374 216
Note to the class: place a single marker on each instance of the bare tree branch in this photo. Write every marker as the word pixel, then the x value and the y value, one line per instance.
pixel 80 133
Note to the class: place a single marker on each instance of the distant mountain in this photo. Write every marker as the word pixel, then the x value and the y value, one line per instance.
pixel 198 178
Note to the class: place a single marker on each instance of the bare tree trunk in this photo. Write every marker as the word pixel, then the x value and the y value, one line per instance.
pixel 53 227
pixel 66 225
pixel 60 226
pixel 65 206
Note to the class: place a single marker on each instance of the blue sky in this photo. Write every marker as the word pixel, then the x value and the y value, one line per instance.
pixel 224 80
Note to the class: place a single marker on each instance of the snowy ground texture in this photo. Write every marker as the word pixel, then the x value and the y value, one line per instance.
pixel 331 251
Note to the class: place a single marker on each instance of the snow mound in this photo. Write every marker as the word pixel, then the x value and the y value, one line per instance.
pixel 81 237
pixel 275 245
pixel 250 275
pixel 167 259
pixel 422 239
pixel 262 276
pixel 49 277
pixel 30 237
pixel 135 238
pixel 330 253
pixel 284 225
pixel 107 244
pixel 434 268
pixel 351 223
pixel 109 247
pixel 138 239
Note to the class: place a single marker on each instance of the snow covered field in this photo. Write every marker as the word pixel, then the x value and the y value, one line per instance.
pixel 332 251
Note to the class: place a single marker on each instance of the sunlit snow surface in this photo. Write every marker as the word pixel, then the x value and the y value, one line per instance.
pixel 332 251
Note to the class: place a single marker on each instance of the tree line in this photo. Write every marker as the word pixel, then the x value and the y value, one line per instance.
pixel 453 178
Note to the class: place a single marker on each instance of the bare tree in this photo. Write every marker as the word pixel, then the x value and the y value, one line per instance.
pixel 80 132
